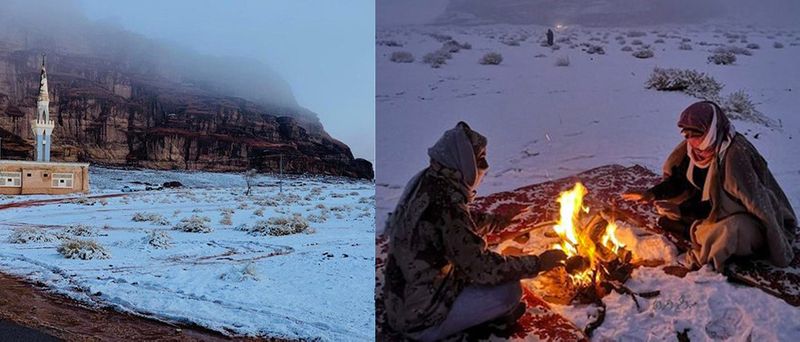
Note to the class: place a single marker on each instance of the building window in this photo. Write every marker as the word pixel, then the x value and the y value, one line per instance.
pixel 62 180
pixel 45 175
pixel 29 175
pixel 11 179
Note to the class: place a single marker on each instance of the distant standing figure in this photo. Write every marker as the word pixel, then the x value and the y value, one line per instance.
pixel 549 37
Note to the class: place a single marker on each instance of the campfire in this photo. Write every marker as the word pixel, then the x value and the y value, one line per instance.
pixel 606 265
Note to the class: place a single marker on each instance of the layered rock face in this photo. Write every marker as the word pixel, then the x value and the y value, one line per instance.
pixel 107 114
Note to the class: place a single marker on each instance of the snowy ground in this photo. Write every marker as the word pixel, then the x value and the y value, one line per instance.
pixel 545 122
pixel 295 286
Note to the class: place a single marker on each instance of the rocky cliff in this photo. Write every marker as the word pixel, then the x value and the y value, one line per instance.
pixel 111 114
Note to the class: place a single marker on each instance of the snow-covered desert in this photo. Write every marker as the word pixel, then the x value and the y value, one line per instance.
pixel 590 100
pixel 289 265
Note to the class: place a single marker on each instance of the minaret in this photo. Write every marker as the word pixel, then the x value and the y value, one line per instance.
pixel 43 127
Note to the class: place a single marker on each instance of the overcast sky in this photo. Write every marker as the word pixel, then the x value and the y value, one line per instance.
pixel 324 49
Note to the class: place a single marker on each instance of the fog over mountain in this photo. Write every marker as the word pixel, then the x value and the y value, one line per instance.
pixel 586 13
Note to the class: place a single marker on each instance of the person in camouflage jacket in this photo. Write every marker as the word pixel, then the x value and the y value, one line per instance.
pixel 440 277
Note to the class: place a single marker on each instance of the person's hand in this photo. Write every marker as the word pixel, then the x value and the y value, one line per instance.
pixel 551 259
pixel 637 196
pixel 576 264
pixel 668 209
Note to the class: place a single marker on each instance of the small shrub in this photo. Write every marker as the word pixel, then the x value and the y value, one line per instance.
pixel 562 61
pixel 595 49
pixel 658 41
pixel 644 53
pixel 626 48
pixel 402 57
pixel 739 106
pixel 633 34
pixel 722 58
pixel 753 46
pixel 685 46
pixel 194 224
pixel 236 274
pixel 691 82
pixel 436 59
pixel 279 226
pixel 636 42
pixel 734 50
pixel 390 43
pixel 158 239
pixel 777 45
pixel 259 212
pixel 30 235
pixel 154 218
pixel 80 230
pixel 491 58
pixel 83 249
pixel 441 37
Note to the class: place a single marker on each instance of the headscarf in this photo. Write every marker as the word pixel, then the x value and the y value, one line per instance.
pixel 455 153
pixel 718 132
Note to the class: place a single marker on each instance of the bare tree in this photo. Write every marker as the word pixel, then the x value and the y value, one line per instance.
pixel 249 178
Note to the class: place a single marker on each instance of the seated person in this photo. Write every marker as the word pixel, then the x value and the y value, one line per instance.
pixel 440 277
pixel 718 192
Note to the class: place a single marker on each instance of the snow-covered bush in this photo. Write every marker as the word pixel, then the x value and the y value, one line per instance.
pixel 722 58
pixel 83 249
pixel 194 224
pixel 658 41
pixel 390 43
pixel 437 58
pixel 595 49
pixel 282 225
pixel 777 45
pixel 402 57
pixel 636 42
pixel 154 218
pixel 158 239
pixel 80 230
pixel 317 218
pixel 440 37
pixel 258 212
pixel 562 61
pixel 633 34
pixel 644 53
pixel 738 105
pixel 736 50
pixel 30 235
pixel 689 81
pixel 753 46
pixel 685 46
pixel 242 227
pixel 236 274
pixel 491 58
pixel 626 48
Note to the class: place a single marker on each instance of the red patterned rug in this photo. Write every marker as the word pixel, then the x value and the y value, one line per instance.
pixel 605 185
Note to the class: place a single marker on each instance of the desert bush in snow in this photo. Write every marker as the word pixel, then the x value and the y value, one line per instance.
pixel 626 48
pixel 595 49
pixel 738 105
pixel 736 50
pixel 691 82
pixel 258 212
pixel 644 53
pixel 636 42
pixel 242 227
pixel 237 274
pixel 777 45
pixel 282 225
pixel 658 41
pixel 288 198
pixel 562 61
pixel 491 58
pixel 753 46
pixel 194 224
pixel 441 37
pixel 146 217
pixel 402 57
pixel 437 58
pixel 390 43
pixel 685 46
pixel 158 239
pixel 83 249
pixel 80 230
pixel 633 34
pixel 722 58
pixel 317 218
pixel 30 235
